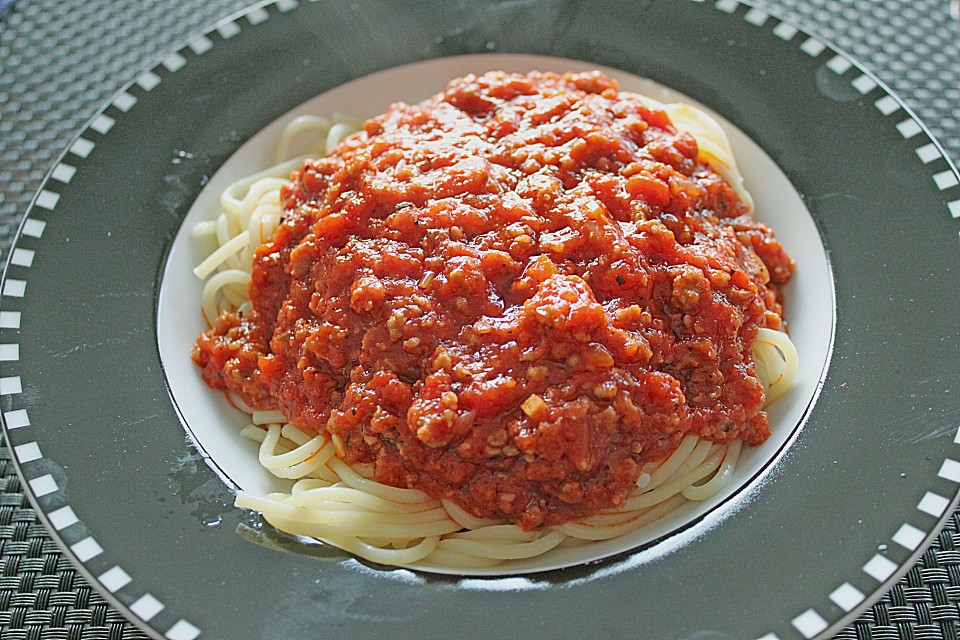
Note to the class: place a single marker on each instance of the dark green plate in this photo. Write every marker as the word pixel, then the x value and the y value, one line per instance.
pixel 838 515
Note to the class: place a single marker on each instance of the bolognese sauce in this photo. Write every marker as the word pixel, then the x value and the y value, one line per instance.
pixel 510 296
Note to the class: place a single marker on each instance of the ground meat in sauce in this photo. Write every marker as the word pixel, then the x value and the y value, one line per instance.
pixel 510 296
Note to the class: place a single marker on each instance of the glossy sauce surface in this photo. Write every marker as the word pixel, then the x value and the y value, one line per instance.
pixel 510 296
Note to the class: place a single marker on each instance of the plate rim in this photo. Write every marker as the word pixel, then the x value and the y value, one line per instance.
pixel 37 203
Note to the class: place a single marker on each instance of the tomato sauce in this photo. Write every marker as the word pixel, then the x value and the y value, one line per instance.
pixel 510 296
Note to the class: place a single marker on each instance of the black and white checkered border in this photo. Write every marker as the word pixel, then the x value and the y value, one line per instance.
pixel 932 506
pixel 45 479
pixel 46 487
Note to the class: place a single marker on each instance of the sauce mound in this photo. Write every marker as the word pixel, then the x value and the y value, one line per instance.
pixel 510 296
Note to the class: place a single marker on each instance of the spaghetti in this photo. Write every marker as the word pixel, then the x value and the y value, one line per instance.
pixel 343 504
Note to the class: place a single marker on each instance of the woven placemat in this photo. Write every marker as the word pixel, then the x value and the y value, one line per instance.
pixel 59 61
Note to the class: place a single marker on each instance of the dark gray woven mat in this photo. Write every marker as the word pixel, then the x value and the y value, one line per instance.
pixel 60 60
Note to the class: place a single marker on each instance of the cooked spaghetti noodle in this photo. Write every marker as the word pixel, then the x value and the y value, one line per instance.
pixel 342 504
